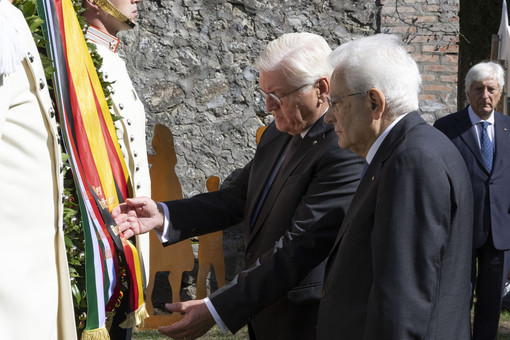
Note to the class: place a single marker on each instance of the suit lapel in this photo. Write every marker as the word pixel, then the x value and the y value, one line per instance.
pixel 266 157
pixel 502 141
pixel 464 129
pixel 314 136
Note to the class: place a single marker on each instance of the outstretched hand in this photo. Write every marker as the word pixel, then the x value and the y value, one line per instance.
pixel 196 322
pixel 137 216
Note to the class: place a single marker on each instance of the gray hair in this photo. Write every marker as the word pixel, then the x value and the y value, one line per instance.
pixel 380 61
pixel 482 71
pixel 301 56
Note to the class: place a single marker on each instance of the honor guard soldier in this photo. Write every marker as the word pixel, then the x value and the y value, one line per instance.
pixel 35 288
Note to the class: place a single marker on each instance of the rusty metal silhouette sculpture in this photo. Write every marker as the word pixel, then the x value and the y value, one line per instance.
pixel 176 258
pixel 210 252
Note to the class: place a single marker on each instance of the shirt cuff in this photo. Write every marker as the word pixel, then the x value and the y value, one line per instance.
pixel 216 316
pixel 162 235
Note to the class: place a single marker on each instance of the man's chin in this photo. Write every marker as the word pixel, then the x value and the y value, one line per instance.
pixel 280 125
pixel 487 110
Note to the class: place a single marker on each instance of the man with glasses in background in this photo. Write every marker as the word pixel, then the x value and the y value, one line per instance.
pixel 291 198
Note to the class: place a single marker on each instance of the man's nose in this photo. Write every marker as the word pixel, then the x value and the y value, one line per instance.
pixel 271 104
pixel 329 117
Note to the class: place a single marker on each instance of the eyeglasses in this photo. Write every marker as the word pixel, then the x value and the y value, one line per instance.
pixel 333 101
pixel 276 98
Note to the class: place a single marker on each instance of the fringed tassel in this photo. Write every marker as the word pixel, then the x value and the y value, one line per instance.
pixel 95 334
pixel 135 318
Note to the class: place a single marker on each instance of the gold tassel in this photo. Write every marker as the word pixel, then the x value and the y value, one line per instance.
pixel 135 318
pixel 95 334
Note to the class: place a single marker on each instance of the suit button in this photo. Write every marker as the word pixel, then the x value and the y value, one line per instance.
pixel 30 57
pixel 135 153
pixel 323 293
pixel 138 186
pixel 137 168
pixel 132 138
pixel 41 84
pixel 52 112
pixel 129 121
pixel 121 106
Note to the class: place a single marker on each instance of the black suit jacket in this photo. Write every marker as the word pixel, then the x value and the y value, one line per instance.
pixel 280 290
pixel 491 190
pixel 401 264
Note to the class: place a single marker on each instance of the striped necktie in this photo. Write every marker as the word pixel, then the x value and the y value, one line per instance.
pixel 486 146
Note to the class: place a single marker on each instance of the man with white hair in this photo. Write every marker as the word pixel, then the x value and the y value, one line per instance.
pixel 400 266
pixel 482 136
pixel 290 198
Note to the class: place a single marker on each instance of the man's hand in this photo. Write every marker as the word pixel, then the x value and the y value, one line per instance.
pixel 196 322
pixel 137 216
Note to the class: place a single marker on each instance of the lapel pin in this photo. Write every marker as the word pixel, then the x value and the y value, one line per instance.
pixel 506 129
pixel 314 142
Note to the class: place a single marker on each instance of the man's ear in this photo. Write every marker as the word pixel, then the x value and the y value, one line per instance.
pixel 323 89
pixel 377 102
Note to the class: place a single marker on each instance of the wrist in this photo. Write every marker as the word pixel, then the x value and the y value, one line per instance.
pixel 161 217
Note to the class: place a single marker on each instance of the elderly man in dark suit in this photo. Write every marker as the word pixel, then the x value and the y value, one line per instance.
pixel 400 264
pixel 482 136
pixel 290 197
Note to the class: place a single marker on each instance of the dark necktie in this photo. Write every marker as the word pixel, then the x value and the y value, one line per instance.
pixel 486 146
